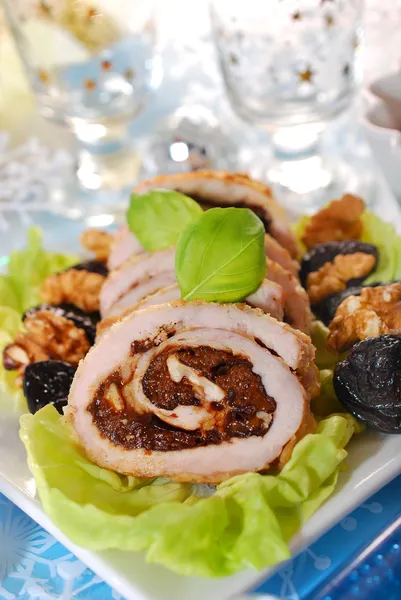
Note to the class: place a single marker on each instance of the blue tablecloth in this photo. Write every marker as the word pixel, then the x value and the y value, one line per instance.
pixel 33 565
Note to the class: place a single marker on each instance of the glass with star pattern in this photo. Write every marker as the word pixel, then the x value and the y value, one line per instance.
pixel 92 66
pixel 291 66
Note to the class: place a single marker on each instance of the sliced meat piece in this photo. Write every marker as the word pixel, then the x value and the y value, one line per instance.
pixel 162 296
pixel 134 271
pixel 269 297
pixel 297 310
pixel 124 246
pixel 142 291
pixel 220 188
pixel 275 251
pixel 192 392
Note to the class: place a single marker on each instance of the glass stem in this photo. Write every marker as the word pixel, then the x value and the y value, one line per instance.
pixel 296 143
pixel 106 155
pixel 300 174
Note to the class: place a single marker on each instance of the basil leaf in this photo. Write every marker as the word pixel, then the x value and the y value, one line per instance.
pixel 159 216
pixel 221 257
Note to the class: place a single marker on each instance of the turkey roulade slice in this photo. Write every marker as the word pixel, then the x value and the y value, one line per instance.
pixel 214 188
pixel 297 309
pixel 139 276
pixel 144 275
pixel 124 246
pixel 269 297
pixel 192 392
pixel 220 188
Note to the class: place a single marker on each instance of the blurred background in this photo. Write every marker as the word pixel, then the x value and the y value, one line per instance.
pixel 174 104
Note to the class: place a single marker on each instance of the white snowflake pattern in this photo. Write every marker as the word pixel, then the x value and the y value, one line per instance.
pixel 25 174
pixel 34 566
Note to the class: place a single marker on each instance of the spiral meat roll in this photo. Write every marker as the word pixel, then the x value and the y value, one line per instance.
pixel 193 392
pixel 125 245
pixel 137 278
pixel 150 279
pixel 218 188
pixel 142 276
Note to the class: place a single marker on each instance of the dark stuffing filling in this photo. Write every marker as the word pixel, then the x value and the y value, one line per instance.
pixel 244 406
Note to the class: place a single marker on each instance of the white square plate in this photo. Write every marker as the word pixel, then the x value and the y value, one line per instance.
pixel 373 461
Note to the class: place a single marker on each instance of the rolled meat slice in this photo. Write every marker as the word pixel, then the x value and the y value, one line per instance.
pixel 214 188
pixel 296 302
pixel 269 297
pixel 135 273
pixel 140 292
pixel 220 188
pixel 280 255
pixel 125 246
pixel 192 392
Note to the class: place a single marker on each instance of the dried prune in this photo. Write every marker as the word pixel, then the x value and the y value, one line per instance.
pixel 368 382
pixel 48 382
pixel 83 320
pixel 326 309
pixel 92 266
pixel 319 255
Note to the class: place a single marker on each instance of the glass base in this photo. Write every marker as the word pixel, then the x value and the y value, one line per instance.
pixel 303 183
pixel 306 185
pixel 109 172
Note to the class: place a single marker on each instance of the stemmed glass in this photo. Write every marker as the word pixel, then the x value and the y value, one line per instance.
pixel 291 66
pixel 92 66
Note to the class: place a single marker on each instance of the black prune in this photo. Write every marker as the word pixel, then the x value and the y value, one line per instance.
pixel 368 382
pixel 92 266
pixel 325 310
pixel 48 382
pixel 319 255
pixel 83 320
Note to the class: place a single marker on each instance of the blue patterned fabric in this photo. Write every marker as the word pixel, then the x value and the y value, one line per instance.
pixel 34 566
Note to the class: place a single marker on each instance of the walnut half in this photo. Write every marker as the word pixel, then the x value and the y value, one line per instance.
pixel 375 312
pixel 75 287
pixel 48 336
pixel 98 242
pixel 332 277
pixel 340 220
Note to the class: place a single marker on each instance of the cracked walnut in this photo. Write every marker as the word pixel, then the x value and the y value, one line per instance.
pixel 375 312
pixel 81 288
pixel 47 336
pixel 340 220
pixel 333 276
pixel 98 242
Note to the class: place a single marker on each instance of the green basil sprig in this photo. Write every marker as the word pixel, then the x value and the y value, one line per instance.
pixel 159 216
pixel 221 256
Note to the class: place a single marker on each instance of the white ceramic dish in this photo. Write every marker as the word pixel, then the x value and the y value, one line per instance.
pixel 384 139
pixel 373 461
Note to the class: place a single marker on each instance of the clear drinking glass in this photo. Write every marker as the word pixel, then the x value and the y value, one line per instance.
pixel 92 65
pixel 291 66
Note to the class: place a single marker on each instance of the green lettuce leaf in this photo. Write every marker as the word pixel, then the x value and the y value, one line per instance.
pixel 325 358
pixel 385 237
pixel 28 268
pixel 327 402
pixel 214 536
pixel 19 290
pixel 13 400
